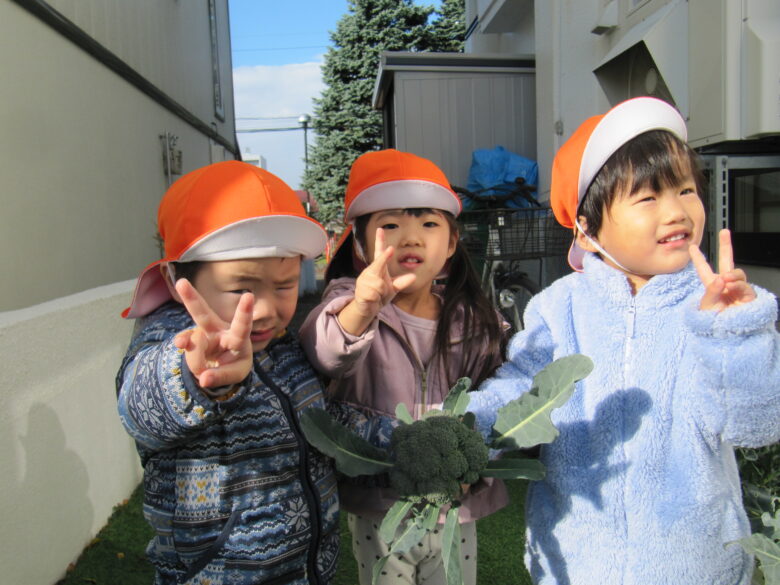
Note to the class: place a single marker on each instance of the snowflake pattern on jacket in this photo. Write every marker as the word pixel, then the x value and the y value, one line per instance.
pixel 234 493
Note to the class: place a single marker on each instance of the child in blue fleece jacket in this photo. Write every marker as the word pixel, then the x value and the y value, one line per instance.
pixel 642 485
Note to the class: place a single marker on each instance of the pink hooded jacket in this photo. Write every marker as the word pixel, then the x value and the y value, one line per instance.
pixel 372 373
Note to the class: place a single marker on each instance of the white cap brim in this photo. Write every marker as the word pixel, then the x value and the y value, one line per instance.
pixel 619 125
pixel 404 194
pixel 260 237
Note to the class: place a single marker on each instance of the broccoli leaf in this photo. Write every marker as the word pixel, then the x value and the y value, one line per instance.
pixel 457 400
pixel 469 420
pixel 772 523
pixel 393 519
pixel 450 548
pixel 415 529
pixel 377 568
pixel 429 516
pixel 512 468
pixel 353 455
pixel 525 422
pixel 402 413
pixel 768 553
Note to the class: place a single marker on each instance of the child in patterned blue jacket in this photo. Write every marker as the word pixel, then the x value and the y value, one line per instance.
pixel 212 388
pixel 642 486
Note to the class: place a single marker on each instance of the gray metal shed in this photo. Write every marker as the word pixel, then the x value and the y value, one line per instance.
pixel 443 106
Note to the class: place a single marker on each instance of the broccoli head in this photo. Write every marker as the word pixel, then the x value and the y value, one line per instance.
pixel 433 457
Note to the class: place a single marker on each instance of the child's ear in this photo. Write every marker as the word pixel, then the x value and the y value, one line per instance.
pixel 584 241
pixel 166 271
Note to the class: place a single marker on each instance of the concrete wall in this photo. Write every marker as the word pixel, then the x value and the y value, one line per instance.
pixel 66 460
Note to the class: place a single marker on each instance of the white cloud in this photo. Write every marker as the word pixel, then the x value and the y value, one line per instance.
pixel 273 92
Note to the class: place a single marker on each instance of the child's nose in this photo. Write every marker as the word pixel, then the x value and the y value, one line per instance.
pixel 410 237
pixel 674 210
pixel 263 308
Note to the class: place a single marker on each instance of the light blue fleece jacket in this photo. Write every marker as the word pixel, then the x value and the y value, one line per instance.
pixel 642 486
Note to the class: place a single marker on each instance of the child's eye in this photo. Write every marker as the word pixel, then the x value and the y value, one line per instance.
pixel 688 191
pixel 431 223
pixel 389 226
pixel 239 291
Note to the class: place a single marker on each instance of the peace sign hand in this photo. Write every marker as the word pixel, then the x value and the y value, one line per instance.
pixel 728 287
pixel 217 353
pixel 374 288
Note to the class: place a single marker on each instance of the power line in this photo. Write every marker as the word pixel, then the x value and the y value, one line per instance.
pixel 268 118
pixel 280 49
pixel 254 130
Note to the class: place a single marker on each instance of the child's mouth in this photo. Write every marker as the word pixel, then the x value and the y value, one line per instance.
pixel 678 238
pixel 261 335
pixel 410 261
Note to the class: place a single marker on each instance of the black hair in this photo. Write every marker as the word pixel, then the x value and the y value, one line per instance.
pixel 484 340
pixel 188 270
pixel 656 159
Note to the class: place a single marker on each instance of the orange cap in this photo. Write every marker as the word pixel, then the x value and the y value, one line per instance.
pixel 391 179
pixel 581 157
pixel 226 211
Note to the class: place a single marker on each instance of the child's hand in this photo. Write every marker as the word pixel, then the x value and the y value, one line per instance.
pixel 727 288
pixel 375 287
pixel 217 353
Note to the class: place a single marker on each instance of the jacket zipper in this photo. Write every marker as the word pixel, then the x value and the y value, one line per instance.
pixel 423 371
pixel 424 397
pixel 303 474
pixel 631 319
pixel 629 348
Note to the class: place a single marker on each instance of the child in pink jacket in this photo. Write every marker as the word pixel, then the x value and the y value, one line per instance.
pixel 387 333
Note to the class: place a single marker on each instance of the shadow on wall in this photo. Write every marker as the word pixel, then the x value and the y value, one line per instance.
pixel 33 516
pixel 65 460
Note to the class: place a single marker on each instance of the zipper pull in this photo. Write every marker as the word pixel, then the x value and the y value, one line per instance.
pixel 630 320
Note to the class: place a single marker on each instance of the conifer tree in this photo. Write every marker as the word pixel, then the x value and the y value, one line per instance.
pixel 449 29
pixel 344 120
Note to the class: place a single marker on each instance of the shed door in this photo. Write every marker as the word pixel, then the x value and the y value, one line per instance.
pixel 444 116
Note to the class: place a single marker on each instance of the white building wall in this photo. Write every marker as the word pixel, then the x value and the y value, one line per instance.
pixel 81 164
pixel 81 161
pixel 165 41
pixel 567 52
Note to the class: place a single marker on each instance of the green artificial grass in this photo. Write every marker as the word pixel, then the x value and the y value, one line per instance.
pixel 117 555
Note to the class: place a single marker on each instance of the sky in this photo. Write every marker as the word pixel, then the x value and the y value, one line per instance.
pixel 278 48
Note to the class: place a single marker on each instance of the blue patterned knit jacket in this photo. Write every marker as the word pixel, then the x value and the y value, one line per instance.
pixel 232 490
pixel 642 486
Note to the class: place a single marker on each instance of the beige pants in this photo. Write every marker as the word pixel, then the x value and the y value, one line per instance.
pixel 422 564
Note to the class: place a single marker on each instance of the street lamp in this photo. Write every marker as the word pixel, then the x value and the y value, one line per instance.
pixel 304 121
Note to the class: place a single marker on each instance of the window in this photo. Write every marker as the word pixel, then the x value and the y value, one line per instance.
pixel 754 215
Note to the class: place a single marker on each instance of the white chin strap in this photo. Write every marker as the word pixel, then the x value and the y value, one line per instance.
pixel 600 249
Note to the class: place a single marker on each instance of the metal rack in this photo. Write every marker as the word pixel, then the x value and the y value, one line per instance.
pixel 513 234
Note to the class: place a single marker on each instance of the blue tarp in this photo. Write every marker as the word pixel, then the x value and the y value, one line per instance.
pixel 493 171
